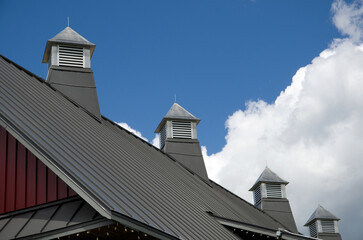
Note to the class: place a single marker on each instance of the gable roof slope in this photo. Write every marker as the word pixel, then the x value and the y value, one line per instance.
pixel 118 174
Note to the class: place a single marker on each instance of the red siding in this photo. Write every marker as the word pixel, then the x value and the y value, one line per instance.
pixel 3 141
pixel 20 177
pixel 25 181
pixel 10 175
pixel 31 180
pixel 51 186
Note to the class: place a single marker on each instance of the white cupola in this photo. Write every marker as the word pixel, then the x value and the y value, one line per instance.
pixel 178 138
pixel 268 185
pixel 68 48
pixel 178 123
pixel 68 55
pixel 323 223
pixel 269 193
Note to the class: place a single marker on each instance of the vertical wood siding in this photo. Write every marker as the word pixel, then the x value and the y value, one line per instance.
pixel 24 180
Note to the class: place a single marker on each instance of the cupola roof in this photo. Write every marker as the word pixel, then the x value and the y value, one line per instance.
pixel 268 176
pixel 67 36
pixel 177 112
pixel 321 213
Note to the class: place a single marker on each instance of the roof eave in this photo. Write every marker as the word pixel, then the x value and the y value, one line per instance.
pixel 312 220
pixel 258 183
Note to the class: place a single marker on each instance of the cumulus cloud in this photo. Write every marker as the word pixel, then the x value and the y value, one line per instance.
pixel 348 18
pixel 133 131
pixel 156 141
pixel 312 135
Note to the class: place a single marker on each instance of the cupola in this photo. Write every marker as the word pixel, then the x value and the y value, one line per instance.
pixel 177 124
pixel 68 55
pixel 269 193
pixel 68 48
pixel 178 138
pixel 268 185
pixel 323 224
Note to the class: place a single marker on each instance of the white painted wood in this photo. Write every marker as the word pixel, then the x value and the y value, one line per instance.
pixel 336 226
pixel 87 58
pixel 263 190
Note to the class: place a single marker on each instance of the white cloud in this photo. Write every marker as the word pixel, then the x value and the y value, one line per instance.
pixel 156 141
pixel 312 135
pixel 348 18
pixel 133 131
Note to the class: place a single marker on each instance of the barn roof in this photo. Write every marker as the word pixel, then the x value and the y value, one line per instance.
pixel 120 175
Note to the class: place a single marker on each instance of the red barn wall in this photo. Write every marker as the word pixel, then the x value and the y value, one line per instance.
pixel 24 180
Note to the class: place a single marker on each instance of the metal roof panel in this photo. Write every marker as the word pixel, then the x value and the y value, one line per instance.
pixel 113 170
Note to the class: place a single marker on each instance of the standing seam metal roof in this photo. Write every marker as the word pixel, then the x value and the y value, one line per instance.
pixel 46 219
pixel 117 170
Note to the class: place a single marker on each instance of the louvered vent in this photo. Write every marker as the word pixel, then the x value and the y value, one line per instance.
pixel 327 226
pixel 312 228
pixel 71 56
pixel 257 196
pixel 162 136
pixel 182 129
pixel 273 190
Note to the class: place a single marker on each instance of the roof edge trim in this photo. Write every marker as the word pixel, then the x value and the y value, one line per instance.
pixel 41 155
pixel 36 207
pixel 71 229
pixel 245 226
pixel 132 223
pixel 261 230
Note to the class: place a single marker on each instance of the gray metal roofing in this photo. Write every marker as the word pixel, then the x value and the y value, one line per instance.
pixel 321 213
pixel 113 170
pixel 49 218
pixel 70 36
pixel 177 112
pixel 268 176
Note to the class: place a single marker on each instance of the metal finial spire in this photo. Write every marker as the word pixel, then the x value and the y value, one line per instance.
pixel 174 97
pixel 68 21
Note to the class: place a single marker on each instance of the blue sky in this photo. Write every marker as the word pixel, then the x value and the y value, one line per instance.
pixel 231 64
pixel 214 55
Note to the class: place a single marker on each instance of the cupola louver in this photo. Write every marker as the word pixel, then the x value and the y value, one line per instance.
pixel 71 56
pixel 182 129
